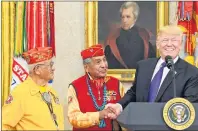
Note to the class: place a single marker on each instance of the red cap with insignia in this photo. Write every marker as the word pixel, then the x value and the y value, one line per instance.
pixel 93 51
pixel 38 54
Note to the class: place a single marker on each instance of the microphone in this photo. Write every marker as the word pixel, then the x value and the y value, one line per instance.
pixel 169 62
pixel 170 65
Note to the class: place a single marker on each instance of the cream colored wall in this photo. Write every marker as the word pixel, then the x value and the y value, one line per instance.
pixel 69 36
pixel 173 12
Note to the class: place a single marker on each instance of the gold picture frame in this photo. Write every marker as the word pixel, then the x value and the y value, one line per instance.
pixel 91 33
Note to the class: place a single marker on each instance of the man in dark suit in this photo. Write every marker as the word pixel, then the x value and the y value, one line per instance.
pixel 153 80
pixel 128 44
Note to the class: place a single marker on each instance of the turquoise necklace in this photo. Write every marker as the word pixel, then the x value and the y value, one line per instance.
pixel 102 123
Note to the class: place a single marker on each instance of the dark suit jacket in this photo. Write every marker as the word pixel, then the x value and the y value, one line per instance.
pixel 186 80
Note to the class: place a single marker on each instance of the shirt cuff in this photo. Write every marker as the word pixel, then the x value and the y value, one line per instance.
pixel 121 109
pixel 95 118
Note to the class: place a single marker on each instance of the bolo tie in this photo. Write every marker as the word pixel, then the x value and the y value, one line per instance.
pixel 47 99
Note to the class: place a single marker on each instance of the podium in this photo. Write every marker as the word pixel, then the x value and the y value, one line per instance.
pixel 141 116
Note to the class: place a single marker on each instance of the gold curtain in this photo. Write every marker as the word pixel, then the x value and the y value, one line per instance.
pixel 8 11
pixel 91 23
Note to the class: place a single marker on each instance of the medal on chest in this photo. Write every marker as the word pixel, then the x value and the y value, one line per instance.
pixel 111 95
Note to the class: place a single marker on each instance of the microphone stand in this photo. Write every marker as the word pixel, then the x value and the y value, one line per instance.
pixel 174 85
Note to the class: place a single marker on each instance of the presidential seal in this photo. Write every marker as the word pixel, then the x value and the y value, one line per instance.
pixel 179 113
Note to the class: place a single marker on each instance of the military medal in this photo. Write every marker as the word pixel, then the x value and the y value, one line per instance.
pixel 46 97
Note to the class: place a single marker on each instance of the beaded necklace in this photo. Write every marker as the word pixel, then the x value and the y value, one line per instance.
pixel 102 123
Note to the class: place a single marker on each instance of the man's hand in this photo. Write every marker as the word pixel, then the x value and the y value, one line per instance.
pixel 104 113
pixel 115 110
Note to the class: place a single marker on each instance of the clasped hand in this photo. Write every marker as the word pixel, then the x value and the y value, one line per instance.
pixel 111 111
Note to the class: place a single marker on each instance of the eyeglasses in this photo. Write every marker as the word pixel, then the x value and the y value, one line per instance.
pixel 51 64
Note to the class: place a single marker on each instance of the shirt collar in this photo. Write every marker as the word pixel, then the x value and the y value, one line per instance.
pixel 89 76
pixel 132 26
pixel 160 61
pixel 91 79
pixel 34 88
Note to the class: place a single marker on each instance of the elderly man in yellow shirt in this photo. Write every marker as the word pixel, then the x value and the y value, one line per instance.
pixel 32 105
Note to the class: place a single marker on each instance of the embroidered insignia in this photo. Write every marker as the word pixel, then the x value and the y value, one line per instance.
pixel 91 50
pixel 70 99
pixel 111 95
pixel 108 98
pixel 114 93
pixel 9 100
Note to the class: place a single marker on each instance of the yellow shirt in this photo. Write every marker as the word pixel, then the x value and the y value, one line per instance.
pixel 26 110
pixel 76 117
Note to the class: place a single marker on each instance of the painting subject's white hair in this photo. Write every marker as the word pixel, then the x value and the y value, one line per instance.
pixel 134 5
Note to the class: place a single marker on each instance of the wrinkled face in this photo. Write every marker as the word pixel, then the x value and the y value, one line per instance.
pixel 97 68
pixel 127 18
pixel 169 45
pixel 45 70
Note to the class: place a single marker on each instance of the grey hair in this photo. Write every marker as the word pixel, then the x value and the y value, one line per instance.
pixel 134 5
pixel 31 67
pixel 86 61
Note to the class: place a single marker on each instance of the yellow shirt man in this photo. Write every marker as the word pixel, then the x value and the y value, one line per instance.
pixel 25 109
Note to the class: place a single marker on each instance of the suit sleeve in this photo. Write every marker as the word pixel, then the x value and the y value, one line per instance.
pixel 12 111
pixel 130 95
pixel 75 116
pixel 116 125
pixel 191 89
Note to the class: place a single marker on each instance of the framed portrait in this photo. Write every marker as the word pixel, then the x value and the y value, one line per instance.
pixel 104 24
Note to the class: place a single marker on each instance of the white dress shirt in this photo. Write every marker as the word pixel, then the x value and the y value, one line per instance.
pixel 132 26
